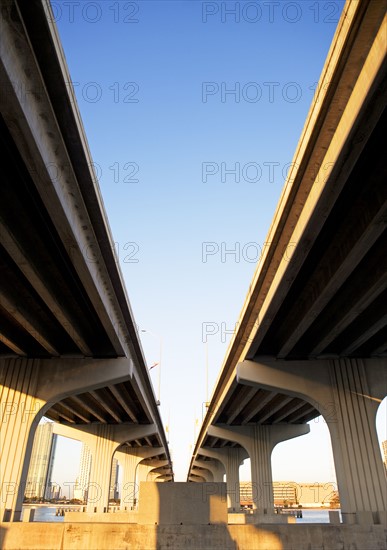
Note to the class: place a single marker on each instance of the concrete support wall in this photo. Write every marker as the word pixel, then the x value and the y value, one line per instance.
pixel 347 392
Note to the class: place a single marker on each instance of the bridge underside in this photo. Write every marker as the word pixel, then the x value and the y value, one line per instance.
pixel 69 346
pixel 312 334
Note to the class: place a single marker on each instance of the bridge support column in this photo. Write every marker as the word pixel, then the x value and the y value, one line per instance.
pixel 360 473
pixel 129 462
pixel 19 416
pixel 259 442
pixel 233 461
pixel 347 392
pixel 102 450
pixel 231 458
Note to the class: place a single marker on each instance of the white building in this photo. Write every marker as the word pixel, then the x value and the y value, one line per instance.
pixel 41 463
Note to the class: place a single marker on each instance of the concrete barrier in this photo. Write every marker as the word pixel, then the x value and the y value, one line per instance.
pixel 103 536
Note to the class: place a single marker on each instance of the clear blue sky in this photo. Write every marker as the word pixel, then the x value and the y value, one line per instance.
pixel 154 83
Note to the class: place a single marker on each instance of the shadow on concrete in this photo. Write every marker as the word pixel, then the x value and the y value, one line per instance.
pixel 3 535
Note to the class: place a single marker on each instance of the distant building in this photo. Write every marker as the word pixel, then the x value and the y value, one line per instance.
pixel 384 447
pixel 53 491
pixel 290 493
pixel 41 463
pixel 82 482
pixel 113 492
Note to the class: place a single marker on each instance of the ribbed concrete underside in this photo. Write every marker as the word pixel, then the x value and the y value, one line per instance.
pixel 73 536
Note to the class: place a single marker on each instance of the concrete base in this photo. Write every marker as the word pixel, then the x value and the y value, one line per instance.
pixel 76 536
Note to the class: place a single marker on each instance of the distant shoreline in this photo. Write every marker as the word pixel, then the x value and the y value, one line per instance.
pixel 57 505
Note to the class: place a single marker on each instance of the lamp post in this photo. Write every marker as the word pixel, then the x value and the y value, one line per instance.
pixel 159 365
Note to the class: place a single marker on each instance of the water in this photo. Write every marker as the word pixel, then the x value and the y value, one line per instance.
pixel 315 516
pixel 47 513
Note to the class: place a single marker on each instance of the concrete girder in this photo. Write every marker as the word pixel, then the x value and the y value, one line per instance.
pixel 347 392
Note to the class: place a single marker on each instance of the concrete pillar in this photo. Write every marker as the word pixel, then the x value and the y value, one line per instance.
pixel 259 442
pixel 19 416
pixel 231 458
pixel 360 473
pixel 142 472
pixel 102 450
pixel 347 392
pixel 233 461
pixel 128 461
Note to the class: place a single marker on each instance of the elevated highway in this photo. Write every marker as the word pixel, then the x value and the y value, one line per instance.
pixel 69 347
pixel 312 333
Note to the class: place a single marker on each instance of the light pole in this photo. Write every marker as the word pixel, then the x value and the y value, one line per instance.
pixel 159 365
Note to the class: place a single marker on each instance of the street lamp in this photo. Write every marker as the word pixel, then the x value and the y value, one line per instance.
pixel 159 365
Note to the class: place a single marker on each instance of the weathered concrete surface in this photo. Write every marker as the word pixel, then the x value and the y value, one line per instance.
pixel 254 519
pixel 81 536
pixel 42 536
pixel 182 503
pixel 98 517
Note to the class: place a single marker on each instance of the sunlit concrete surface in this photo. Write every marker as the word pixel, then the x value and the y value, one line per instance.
pixel 116 536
